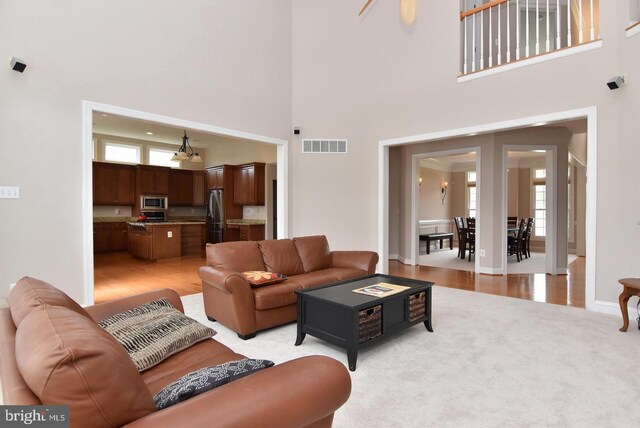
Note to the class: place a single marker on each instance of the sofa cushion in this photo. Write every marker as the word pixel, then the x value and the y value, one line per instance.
pixel 66 358
pixel 314 252
pixel 30 293
pixel 206 379
pixel 276 295
pixel 154 331
pixel 326 276
pixel 280 255
pixel 237 256
pixel 258 278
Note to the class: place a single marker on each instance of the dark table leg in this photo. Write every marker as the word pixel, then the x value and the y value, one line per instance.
pixel 451 243
pixel 427 324
pixel 352 357
pixel 441 243
pixel 427 309
pixel 300 320
pixel 623 300
pixel 428 245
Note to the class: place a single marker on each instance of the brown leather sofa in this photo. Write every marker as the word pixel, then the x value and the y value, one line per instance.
pixel 306 261
pixel 52 351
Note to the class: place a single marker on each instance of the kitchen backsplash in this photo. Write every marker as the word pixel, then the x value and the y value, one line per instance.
pixel 254 213
pixel 187 211
pixel 104 211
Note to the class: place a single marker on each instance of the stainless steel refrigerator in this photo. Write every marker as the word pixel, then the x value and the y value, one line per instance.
pixel 215 216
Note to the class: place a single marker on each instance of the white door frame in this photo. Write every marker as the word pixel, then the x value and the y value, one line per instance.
pixel 415 168
pixel 590 113
pixel 88 107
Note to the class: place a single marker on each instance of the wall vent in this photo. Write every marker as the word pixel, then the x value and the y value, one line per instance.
pixel 324 146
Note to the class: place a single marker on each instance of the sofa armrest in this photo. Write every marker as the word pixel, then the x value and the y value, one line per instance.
pixel 227 281
pixel 296 393
pixel 105 310
pixel 364 260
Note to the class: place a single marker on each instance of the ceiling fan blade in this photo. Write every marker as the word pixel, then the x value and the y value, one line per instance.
pixel 366 5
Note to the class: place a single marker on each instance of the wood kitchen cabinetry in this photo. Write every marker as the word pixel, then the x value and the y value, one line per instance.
pixel 192 239
pixel 219 177
pixel 199 188
pixel 248 184
pixel 152 180
pixel 113 184
pixel 180 188
pixel 109 237
pixel 245 232
pixel 140 243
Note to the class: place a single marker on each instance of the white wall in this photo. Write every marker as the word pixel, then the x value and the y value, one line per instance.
pixel 371 78
pixel 223 63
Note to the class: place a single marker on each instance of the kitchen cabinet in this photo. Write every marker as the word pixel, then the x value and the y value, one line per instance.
pixel 113 184
pixel 248 184
pixel 218 177
pixel 140 242
pixel 199 188
pixel 180 188
pixel 152 180
pixel 192 239
pixel 166 241
pixel 109 236
pixel 245 232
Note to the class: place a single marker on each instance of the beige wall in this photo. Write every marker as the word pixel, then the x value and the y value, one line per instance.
pixel 223 63
pixel 524 192
pixel 512 192
pixel 458 194
pixel 236 152
pixel 431 205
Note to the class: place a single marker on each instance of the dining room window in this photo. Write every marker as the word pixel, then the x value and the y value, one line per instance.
pixel 471 194
pixel 539 202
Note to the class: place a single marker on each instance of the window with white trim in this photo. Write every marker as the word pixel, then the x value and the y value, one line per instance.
pixel 162 157
pixel 121 152
pixel 539 202
pixel 471 194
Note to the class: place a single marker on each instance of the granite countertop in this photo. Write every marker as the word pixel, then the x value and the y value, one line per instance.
pixel 165 223
pixel 114 219
pixel 243 221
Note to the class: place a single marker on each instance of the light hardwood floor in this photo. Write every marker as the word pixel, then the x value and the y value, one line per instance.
pixel 119 275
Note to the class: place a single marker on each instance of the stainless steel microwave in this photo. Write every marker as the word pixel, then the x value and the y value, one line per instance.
pixel 154 202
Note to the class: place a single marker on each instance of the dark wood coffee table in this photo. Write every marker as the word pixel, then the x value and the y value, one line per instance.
pixel 336 314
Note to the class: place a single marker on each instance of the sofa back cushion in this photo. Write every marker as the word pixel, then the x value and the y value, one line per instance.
pixel 281 256
pixel 314 252
pixel 30 293
pixel 66 358
pixel 237 256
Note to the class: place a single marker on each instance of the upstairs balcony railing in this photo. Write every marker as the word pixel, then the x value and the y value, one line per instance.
pixel 499 32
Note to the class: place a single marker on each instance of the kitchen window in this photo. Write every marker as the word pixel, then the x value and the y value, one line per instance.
pixel 162 157
pixel 121 153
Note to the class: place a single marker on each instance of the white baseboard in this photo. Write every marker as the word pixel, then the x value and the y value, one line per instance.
pixel 611 308
pixel 491 271
pixel 394 257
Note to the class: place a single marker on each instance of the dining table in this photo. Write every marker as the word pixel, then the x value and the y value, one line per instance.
pixel 464 231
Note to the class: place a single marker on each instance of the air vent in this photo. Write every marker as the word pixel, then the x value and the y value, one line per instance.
pixel 324 146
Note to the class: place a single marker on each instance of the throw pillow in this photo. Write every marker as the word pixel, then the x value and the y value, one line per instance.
pixel 152 332
pixel 259 278
pixel 205 379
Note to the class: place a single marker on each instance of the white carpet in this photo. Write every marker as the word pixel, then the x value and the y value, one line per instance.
pixel 491 362
pixel 448 259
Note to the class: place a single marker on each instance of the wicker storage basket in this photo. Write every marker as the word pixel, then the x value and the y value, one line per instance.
pixel 416 306
pixel 370 323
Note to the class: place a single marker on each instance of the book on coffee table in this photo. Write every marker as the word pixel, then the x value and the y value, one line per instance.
pixel 382 289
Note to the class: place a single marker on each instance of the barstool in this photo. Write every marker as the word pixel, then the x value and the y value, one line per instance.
pixel 631 288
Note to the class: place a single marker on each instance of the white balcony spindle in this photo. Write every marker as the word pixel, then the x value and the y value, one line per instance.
pixel 569 23
pixel 481 39
pixel 537 27
pixel 526 36
pixel 473 42
pixel 466 42
pixel 499 37
pixel 557 24
pixel 580 26
pixel 517 30
pixel 490 37
pixel 593 27
pixel 548 42
pixel 509 33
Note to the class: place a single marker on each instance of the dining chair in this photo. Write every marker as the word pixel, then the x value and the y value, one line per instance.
pixel 459 222
pixel 512 221
pixel 527 237
pixel 516 244
pixel 471 236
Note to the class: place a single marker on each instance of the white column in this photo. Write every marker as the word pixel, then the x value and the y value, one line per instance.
pixel 490 37
pixel 557 24
pixel 568 23
pixel 499 37
pixel 517 30
pixel 548 43
pixel 509 32
pixel 466 42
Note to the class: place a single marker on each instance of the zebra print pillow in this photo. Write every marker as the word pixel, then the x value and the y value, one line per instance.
pixel 154 331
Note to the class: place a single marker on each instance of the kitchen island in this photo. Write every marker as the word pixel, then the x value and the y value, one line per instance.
pixel 164 240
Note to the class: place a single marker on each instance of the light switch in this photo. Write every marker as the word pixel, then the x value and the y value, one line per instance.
pixel 9 192
pixel 170 234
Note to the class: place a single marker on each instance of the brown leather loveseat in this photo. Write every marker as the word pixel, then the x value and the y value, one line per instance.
pixel 306 261
pixel 52 351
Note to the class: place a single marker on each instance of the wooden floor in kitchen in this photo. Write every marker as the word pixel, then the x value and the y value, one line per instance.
pixel 119 275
